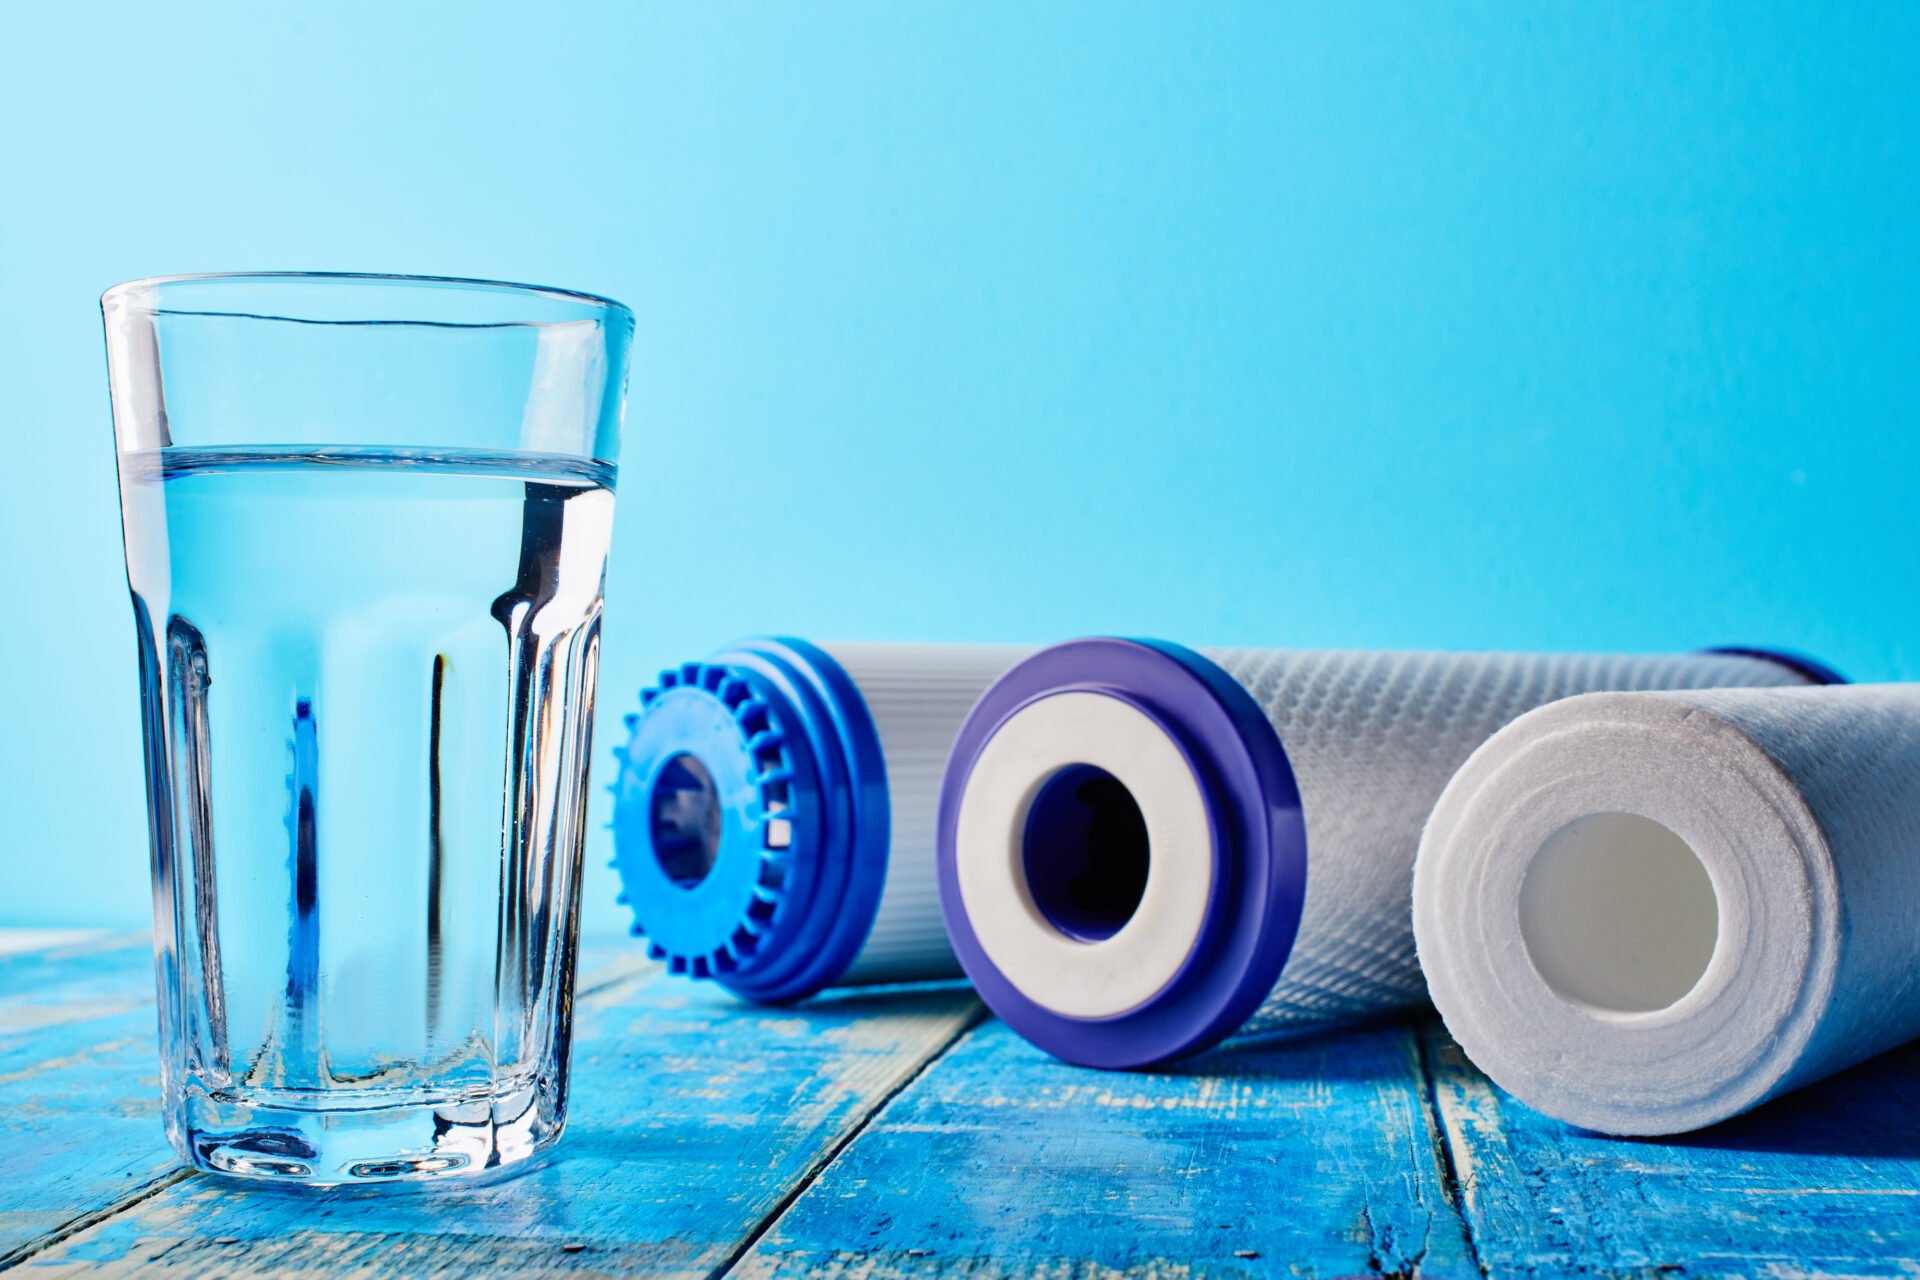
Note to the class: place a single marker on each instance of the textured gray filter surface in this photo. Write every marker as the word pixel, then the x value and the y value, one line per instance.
pixel 917 695
pixel 1373 738
pixel 1602 997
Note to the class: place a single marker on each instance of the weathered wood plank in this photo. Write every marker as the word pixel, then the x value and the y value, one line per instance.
pixel 694 1118
pixel 1824 1182
pixel 25 968
pixel 79 1078
pixel 1315 1157
pixel 79 1111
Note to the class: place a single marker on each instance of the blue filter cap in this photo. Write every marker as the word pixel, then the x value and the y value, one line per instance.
pixel 751 819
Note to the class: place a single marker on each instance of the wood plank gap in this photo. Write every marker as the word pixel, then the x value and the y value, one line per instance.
pixel 94 1218
pixel 820 1166
pixel 1450 1184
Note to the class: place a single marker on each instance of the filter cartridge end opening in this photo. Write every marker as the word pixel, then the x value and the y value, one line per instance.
pixel 683 820
pixel 1085 852
pixel 1619 914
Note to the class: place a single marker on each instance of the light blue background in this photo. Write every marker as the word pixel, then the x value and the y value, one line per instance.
pixel 1395 325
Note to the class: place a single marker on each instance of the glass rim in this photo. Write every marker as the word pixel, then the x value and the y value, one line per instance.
pixel 128 294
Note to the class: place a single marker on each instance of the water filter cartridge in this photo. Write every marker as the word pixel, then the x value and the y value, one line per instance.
pixel 1643 913
pixel 774 812
pixel 1144 849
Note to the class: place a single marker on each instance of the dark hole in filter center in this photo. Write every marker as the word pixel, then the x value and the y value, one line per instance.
pixel 1085 852
pixel 684 820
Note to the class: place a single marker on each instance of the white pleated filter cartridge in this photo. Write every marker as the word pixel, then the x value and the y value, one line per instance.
pixel 1145 848
pixel 774 813
pixel 1643 913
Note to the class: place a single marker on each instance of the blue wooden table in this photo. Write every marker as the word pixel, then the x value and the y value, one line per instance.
pixel 904 1132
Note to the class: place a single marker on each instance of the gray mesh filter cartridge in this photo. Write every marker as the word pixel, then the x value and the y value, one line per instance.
pixel 774 813
pixel 1643 913
pixel 1144 849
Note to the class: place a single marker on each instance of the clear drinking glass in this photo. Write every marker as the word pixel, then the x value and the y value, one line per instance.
pixel 366 525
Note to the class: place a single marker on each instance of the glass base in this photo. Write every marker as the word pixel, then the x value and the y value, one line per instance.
pixel 360 1138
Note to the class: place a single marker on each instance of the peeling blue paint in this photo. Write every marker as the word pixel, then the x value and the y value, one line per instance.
pixel 1822 1183
pixel 1309 1157
pixel 872 1134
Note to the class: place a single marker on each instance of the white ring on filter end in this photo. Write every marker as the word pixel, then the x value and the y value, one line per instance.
pixel 1071 977
pixel 1612 1048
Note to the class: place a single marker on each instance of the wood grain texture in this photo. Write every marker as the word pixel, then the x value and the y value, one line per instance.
pixel 1821 1183
pixel 871 1134
pixel 80 1129
pixel 79 1085
pixel 693 1120
pixel 1315 1157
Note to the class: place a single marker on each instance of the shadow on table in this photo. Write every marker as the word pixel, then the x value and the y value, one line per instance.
pixel 1374 1051
pixel 1379 1050
pixel 899 999
pixel 904 999
pixel 1871 1110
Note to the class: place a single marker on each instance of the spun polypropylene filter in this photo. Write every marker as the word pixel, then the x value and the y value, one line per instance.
pixel 775 811
pixel 1260 811
pixel 1644 913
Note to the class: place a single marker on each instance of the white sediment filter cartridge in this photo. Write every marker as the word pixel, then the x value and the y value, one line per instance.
pixel 1146 848
pixel 774 813
pixel 1643 913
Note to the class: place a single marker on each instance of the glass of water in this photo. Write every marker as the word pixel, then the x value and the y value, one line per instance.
pixel 366 525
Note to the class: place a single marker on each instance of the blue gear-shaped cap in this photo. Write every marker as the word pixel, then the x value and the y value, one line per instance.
pixel 705 776
pixel 750 819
